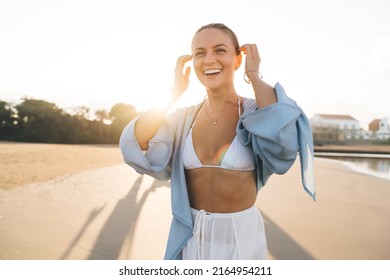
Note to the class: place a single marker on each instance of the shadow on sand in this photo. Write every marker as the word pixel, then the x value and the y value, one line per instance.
pixel 119 226
pixel 281 245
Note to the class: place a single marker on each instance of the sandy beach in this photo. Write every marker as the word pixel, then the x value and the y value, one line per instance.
pixel 23 163
pixel 82 202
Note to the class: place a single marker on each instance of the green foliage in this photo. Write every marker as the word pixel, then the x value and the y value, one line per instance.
pixel 7 120
pixel 41 121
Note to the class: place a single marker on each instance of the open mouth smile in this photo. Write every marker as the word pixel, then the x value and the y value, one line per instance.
pixel 210 72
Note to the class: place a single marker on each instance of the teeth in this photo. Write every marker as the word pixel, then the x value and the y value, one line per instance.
pixel 212 71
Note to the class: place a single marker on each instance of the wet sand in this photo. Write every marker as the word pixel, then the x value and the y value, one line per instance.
pixel 87 204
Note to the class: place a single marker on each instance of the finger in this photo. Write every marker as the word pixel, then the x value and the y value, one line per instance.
pixel 187 72
pixel 249 47
pixel 183 59
pixel 256 52
pixel 243 49
pixel 252 51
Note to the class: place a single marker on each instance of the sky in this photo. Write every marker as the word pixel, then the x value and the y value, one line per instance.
pixel 332 57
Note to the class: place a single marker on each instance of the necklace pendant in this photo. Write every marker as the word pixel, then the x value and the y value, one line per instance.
pixel 215 122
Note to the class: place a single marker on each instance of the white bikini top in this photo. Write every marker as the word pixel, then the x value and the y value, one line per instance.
pixel 237 157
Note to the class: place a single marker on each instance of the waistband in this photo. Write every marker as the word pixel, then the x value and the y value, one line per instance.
pixel 230 214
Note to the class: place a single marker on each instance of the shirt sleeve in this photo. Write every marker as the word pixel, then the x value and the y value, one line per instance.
pixel 275 133
pixel 156 161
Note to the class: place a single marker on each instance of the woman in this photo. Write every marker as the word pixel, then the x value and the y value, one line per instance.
pixel 219 153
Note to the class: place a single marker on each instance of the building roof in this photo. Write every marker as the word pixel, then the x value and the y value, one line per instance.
pixel 374 125
pixel 375 122
pixel 337 117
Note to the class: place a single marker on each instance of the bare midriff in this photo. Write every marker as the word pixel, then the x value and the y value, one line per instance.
pixel 220 190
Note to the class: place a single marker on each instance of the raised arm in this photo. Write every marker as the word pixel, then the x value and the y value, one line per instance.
pixel 265 94
pixel 149 122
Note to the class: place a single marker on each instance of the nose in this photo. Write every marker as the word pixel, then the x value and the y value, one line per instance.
pixel 209 59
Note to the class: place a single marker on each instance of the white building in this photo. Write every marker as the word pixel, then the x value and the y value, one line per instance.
pixel 380 128
pixel 344 124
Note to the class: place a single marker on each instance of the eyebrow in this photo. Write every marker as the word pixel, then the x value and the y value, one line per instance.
pixel 214 47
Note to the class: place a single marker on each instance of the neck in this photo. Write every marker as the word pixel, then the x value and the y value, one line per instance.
pixel 217 100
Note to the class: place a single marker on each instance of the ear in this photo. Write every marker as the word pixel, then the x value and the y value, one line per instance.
pixel 238 61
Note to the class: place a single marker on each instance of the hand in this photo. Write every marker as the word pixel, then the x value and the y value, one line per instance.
pixel 265 94
pixel 181 79
pixel 252 59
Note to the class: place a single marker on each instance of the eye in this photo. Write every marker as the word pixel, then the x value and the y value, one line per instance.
pixel 199 54
pixel 220 51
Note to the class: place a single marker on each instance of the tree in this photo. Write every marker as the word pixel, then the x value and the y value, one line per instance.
pixel 102 115
pixel 121 114
pixel 35 120
pixel 7 120
pixel 39 121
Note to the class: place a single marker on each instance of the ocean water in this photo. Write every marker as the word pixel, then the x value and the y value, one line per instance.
pixel 378 166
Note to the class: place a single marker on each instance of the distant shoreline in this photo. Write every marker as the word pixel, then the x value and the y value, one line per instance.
pixel 356 151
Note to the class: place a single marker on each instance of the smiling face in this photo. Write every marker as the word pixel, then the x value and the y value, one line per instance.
pixel 215 58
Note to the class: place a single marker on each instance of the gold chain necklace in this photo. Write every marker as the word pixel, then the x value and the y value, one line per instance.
pixel 215 121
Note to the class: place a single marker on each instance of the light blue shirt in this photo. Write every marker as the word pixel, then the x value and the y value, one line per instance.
pixel 276 134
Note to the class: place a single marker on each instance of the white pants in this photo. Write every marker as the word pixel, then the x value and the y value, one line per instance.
pixel 224 236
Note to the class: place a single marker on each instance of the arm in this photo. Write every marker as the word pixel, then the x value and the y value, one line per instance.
pixel 272 132
pixel 149 122
pixel 277 133
pixel 264 93
pixel 153 133
pixel 156 160
pixel 147 125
